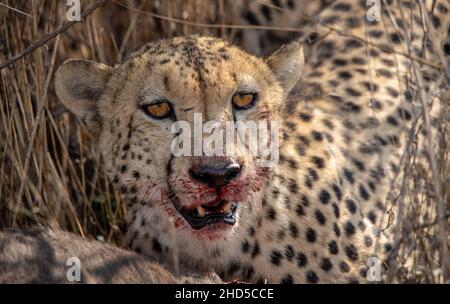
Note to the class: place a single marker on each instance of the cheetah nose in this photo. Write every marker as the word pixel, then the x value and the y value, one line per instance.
pixel 215 176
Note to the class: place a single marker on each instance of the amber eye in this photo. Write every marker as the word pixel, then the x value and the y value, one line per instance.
pixel 159 110
pixel 243 101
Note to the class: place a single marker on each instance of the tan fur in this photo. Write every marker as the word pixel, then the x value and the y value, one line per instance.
pixel 40 256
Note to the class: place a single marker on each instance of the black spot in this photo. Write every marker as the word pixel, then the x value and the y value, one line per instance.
pixel 302 260
pixel 387 248
pixel 353 22
pixel 287 279
pixel 344 267
pixel 353 44
pixel 363 192
pixel 276 257
pixel 271 214
pixel 337 191
pixel 293 230
pixel 255 251
pixel 368 241
pixel 289 252
pixel 345 75
pixel 349 229
pixel 374 53
pixel 305 117
pixel 251 18
pixel 324 197
pixel 405 114
pixel 156 245
pixel 376 33
pixel 266 12
pixel 326 264
pixel 353 92
pixel 359 60
pixel 245 246
pixel 126 147
pixel 336 210
pixel 372 217
pixel 393 92
pixel 304 200
pixel 344 7
pixel 395 38
pixel 339 62
pixel 408 95
pixel 391 120
pixel 300 210
pixel 133 189
pixel 351 205
pixel 370 86
pixel 311 235
pixel 312 277
pixel 292 163
pixel 320 217
pixel 291 4
pixel 293 187
pixel 304 140
pixel 136 175
pixel 446 49
pixel 351 252
pixel 333 247
pixel 436 21
pixel 359 164
pixel 318 161
pixel 349 176
pixel 123 169
pixel 336 229
pixel 317 135
pixel 123 189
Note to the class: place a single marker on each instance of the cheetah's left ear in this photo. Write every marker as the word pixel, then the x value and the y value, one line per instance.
pixel 287 64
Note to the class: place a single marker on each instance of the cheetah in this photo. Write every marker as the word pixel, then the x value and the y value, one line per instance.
pixel 345 94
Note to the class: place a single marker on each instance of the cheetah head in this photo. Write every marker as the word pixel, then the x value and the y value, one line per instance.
pixel 133 109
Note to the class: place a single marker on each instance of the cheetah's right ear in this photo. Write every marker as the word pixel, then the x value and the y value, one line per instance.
pixel 287 64
pixel 80 85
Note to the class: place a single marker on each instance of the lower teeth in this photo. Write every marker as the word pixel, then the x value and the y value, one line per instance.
pixel 202 211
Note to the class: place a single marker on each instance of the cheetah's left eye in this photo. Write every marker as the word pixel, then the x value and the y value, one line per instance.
pixel 243 101
pixel 159 110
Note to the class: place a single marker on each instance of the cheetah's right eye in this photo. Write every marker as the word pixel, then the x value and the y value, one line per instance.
pixel 158 110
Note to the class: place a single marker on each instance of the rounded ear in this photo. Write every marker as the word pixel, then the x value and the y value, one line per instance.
pixel 287 64
pixel 79 85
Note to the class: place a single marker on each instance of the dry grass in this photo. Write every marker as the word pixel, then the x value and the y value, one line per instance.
pixel 50 174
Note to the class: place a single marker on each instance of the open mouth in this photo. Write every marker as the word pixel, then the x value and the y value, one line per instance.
pixel 221 211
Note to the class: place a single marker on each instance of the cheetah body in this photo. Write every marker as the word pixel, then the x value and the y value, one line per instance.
pixel 320 213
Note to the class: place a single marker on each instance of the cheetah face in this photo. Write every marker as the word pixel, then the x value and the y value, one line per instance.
pixel 133 109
